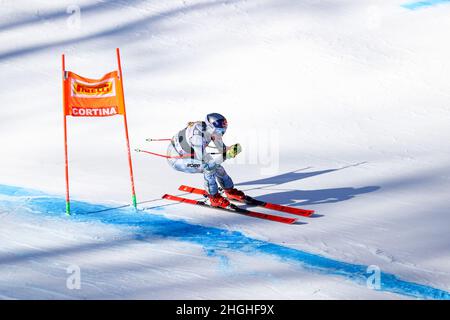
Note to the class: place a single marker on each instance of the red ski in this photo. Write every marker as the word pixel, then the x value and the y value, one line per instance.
pixel 252 201
pixel 232 208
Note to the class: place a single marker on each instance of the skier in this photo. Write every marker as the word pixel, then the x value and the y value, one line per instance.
pixel 187 153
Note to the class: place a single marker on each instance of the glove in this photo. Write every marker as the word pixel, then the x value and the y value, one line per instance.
pixel 233 151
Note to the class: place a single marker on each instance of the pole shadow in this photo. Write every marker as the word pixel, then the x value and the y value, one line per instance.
pixel 294 176
pixel 296 198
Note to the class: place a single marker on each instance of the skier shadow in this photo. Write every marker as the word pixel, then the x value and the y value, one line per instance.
pixel 305 198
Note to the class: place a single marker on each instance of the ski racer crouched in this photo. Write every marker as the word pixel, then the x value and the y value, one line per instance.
pixel 187 153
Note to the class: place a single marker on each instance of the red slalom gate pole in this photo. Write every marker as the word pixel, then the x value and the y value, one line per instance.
pixel 133 192
pixel 65 136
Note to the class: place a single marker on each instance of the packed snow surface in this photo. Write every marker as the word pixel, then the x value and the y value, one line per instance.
pixel 340 106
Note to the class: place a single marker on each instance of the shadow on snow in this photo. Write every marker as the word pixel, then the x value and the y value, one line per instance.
pixel 146 226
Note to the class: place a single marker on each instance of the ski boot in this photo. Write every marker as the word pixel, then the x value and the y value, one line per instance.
pixel 218 201
pixel 234 194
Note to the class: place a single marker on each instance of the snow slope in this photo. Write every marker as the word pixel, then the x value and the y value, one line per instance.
pixel 341 106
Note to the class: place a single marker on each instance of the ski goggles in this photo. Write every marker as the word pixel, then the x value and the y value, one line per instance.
pixel 221 131
pixel 220 126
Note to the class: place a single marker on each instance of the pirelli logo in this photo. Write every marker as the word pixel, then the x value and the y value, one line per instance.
pixel 103 89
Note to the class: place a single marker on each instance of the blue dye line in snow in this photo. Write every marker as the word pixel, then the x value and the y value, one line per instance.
pixel 423 4
pixel 146 225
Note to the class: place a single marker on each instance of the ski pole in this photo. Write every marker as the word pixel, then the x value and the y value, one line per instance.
pixel 151 140
pixel 167 139
pixel 169 157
